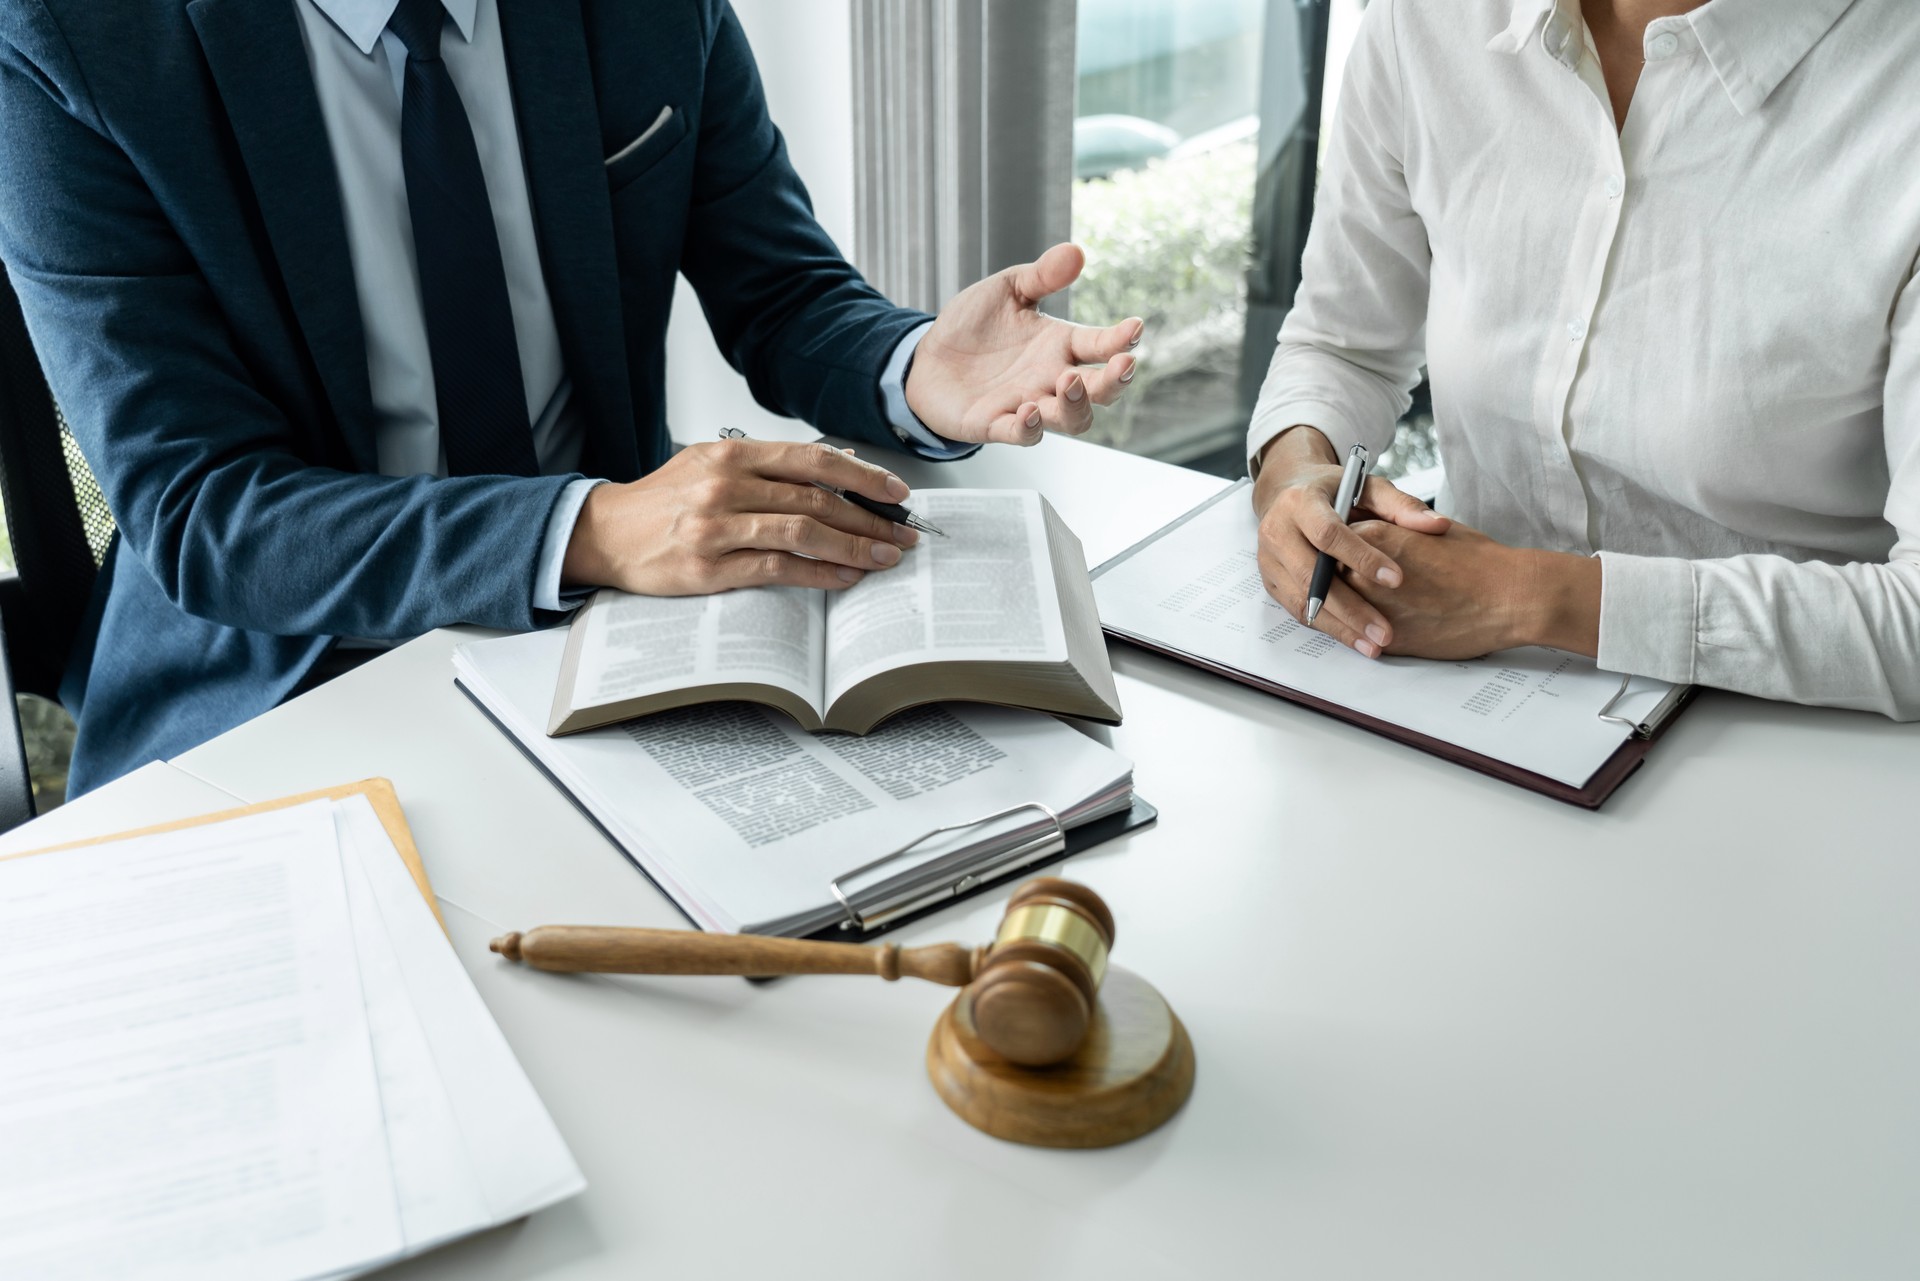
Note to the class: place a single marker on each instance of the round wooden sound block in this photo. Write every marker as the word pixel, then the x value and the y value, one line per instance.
pixel 1129 1076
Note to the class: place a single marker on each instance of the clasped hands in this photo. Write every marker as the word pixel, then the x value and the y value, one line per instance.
pixel 742 513
pixel 1411 581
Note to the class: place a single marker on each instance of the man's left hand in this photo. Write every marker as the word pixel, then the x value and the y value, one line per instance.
pixel 1464 594
pixel 995 368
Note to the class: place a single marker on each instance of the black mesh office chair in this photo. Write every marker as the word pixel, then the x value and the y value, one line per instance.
pixel 59 526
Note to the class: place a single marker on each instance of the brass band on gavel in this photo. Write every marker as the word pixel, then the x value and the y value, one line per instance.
pixel 1034 996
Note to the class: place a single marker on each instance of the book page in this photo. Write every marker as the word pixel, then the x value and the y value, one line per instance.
pixel 985 591
pixel 635 646
pixel 187 1082
pixel 1198 590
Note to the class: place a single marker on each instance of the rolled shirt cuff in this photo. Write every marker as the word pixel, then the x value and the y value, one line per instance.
pixel 1341 431
pixel 913 433
pixel 553 548
pixel 1649 617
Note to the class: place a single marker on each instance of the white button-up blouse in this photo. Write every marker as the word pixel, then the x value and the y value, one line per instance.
pixel 1692 344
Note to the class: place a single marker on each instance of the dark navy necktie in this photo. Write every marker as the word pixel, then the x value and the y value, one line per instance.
pixel 463 286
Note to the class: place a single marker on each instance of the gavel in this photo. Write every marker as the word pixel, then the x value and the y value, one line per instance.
pixel 1032 992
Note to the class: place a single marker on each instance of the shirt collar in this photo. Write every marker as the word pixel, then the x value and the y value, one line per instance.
pixel 1528 15
pixel 1754 44
pixel 362 21
pixel 1751 44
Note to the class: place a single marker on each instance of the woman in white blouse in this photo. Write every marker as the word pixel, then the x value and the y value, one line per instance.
pixel 1659 258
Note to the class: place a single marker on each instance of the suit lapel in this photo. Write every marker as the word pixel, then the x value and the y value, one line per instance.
pixel 553 96
pixel 260 67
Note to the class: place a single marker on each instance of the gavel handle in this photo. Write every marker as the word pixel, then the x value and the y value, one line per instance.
pixel 606 949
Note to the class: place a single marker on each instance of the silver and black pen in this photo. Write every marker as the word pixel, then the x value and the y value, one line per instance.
pixel 886 511
pixel 894 512
pixel 1352 477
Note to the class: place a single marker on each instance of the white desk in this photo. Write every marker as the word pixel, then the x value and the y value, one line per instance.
pixel 154 794
pixel 1455 1030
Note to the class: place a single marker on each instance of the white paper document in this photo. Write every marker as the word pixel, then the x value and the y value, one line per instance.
pixel 1197 589
pixel 246 1050
pixel 516 1160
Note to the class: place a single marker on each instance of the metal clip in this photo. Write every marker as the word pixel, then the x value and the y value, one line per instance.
pixel 1049 840
pixel 1606 709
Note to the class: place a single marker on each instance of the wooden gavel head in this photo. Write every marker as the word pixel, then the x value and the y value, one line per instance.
pixel 1032 997
pixel 1047 1045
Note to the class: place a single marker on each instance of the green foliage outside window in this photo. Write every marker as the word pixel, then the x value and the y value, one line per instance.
pixel 1168 242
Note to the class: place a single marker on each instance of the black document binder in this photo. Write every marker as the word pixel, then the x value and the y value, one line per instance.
pixel 1071 841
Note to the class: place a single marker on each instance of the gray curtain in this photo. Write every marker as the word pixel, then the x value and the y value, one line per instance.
pixel 1293 75
pixel 963 140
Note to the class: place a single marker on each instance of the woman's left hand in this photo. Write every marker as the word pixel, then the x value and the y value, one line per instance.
pixel 1464 594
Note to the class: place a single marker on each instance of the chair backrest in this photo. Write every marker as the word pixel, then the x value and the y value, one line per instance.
pixel 56 517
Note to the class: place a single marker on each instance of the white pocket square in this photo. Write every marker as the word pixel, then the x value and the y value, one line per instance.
pixel 666 114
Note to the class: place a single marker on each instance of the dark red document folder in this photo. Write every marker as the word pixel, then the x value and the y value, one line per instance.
pixel 1589 795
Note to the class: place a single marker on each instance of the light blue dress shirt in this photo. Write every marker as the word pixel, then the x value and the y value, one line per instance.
pixel 905 423
pixel 359 73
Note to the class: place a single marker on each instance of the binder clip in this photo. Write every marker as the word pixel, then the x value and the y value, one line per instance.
pixel 1655 720
pixel 938 879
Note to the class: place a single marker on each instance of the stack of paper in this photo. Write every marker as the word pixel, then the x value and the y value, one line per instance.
pixel 246 1050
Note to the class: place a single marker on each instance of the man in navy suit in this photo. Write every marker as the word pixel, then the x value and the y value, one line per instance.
pixel 358 310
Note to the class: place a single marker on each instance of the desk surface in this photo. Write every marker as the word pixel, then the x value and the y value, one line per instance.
pixel 1459 1031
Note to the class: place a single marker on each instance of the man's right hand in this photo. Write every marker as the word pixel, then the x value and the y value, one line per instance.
pixel 1293 499
pixel 737 513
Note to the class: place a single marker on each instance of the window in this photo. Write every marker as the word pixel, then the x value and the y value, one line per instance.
pixel 1165 144
pixel 1196 142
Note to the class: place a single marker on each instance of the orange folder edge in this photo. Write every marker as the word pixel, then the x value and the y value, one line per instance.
pixel 378 791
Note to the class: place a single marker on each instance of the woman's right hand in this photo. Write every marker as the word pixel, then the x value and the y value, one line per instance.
pixel 1293 499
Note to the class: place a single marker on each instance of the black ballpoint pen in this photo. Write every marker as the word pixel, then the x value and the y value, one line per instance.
pixel 885 511
pixel 1352 476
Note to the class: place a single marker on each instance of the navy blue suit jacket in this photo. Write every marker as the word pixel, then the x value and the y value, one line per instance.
pixel 171 220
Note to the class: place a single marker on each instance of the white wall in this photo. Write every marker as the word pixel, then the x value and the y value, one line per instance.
pixel 805 51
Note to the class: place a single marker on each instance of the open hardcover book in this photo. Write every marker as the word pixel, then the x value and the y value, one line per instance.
pixel 998 610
